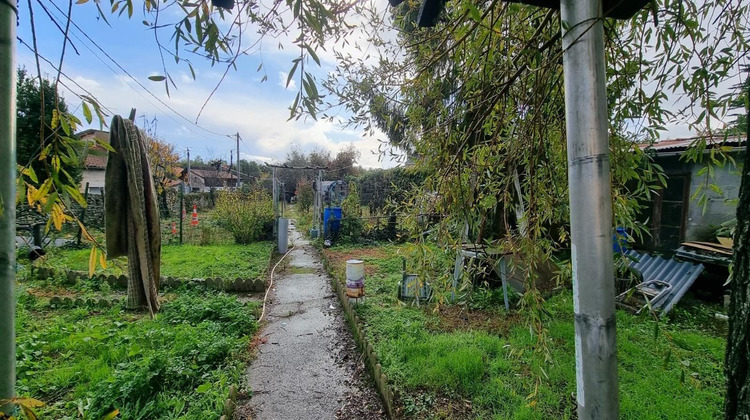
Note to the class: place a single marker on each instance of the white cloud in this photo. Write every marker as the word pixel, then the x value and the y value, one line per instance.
pixel 262 121
pixel 282 81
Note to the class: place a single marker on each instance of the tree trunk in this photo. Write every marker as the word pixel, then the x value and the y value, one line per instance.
pixel 737 362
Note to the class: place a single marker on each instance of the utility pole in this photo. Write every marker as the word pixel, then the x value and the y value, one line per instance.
pixel 190 187
pixel 230 164
pixel 590 209
pixel 239 180
pixel 8 18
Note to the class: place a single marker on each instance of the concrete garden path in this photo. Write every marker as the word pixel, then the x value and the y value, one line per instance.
pixel 307 366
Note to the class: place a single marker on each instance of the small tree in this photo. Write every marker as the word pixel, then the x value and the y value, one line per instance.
pixel 164 163
pixel 34 134
pixel 305 194
pixel 351 225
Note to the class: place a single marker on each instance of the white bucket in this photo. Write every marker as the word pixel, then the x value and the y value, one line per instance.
pixel 355 278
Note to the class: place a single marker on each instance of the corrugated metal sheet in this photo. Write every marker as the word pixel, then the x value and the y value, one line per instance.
pixel 658 271
pixel 684 143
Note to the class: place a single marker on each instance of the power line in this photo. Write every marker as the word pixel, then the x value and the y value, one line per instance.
pixel 91 95
pixel 131 76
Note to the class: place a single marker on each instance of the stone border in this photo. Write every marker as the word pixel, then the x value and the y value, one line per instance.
pixel 356 326
pixel 230 404
pixel 238 285
pixel 67 301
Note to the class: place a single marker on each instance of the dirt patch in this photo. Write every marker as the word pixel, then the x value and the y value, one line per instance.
pixel 337 259
pixel 459 318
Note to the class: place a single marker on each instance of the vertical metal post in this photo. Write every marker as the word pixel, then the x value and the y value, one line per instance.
pixel 590 209
pixel 190 186
pixel 82 218
pixel 8 15
pixel 320 202
pixel 239 179
pixel 182 207
pixel 275 204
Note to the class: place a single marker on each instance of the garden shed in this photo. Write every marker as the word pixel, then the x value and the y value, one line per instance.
pixel 676 213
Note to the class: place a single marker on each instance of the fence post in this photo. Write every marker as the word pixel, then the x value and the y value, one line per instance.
pixel 182 207
pixel 83 214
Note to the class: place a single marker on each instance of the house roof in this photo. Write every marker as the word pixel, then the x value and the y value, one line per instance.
pixel 681 144
pixel 95 161
pixel 212 173
pixel 97 134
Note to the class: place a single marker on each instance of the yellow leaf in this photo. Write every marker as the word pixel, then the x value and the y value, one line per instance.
pixel 45 152
pixel 30 191
pixel 28 402
pixel 85 231
pixel 92 261
pixel 111 415
pixel 29 413
pixel 103 260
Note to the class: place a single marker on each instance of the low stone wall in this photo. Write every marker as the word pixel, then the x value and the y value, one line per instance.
pixel 238 285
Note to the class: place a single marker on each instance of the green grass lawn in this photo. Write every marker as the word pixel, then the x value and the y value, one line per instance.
pixel 450 363
pixel 87 361
pixel 183 261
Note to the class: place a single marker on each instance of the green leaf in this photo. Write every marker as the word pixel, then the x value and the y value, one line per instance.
pixel 65 124
pixel 87 112
pixel 157 78
pixel 203 388
pixel 474 12
pixel 32 175
pixel 75 194
pixel 312 54
pixel 291 72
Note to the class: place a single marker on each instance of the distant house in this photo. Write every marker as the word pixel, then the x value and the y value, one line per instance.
pixel 202 180
pixel 95 162
pixel 674 215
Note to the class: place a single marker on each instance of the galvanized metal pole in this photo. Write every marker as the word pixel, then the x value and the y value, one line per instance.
pixel 182 207
pixel 275 196
pixel 239 179
pixel 190 186
pixel 320 202
pixel 590 209
pixel 8 15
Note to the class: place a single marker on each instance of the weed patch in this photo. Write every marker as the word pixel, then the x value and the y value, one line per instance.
pixel 179 365
pixel 477 361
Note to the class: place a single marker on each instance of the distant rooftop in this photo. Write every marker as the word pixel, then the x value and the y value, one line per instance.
pixel 678 145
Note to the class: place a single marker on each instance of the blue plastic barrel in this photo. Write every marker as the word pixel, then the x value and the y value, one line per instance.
pixel 333 213
pixel 619 240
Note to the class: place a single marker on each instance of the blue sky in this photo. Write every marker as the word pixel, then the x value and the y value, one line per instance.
pixel 258 111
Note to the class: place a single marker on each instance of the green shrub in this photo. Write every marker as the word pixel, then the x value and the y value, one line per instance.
pixel 305 194
pixel 351 225
pixel 248 217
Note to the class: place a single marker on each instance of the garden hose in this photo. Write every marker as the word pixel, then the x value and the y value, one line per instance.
pixel 270 285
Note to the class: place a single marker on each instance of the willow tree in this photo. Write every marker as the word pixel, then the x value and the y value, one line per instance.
pixel 478 101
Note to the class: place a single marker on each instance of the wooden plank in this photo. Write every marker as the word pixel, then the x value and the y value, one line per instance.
pixel 707 246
